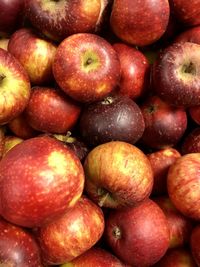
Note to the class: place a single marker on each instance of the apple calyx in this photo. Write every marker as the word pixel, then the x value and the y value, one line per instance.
pixel 189 68
pixel 108 100
pixel 117 232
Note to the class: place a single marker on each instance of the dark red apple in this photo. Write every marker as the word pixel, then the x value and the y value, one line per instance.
pixel 160 161
pixel 176 74
pixel 11 14
pixel 184 185
pixel 50 110
pixel 141 23
pixel 17 247
pixel 180 227
pixel 116 117
pixel 195 114
pixel 37 56
pixel 14 87
pixel 118 174
pixel 40 179
pixel 190 35
pixel 139 236
pixel 71 234
pixel 191 142
pixel 10 142
pixel 86 67
pixel 179 257
pixel 134 70
pixel 164 124
pixel 194 244
pixel 95 257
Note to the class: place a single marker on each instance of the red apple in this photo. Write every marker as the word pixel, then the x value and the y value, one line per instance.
pixel 86 67
pixel 141 23
pixel 71 234
pixel 37 56
pixel 184 185
pixel 134 70
pixel 118 174
pixel 164 124
pixel 4 43
pixel 17 247
pixel 180 227
pixel 14 87
pixel 190 35
pixel 176 74
pixel 191 142
pixel 160 161
pixel 40 179
pixel 195 114
pixel 10 142
pixel 2 141
pixel 194 244
pixel 50 110
pixel 116 117
pixel 139 236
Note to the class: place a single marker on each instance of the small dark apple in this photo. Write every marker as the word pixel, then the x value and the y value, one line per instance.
pixel 134 71
pixel 50 110
pixel 116 117
pixel 164 124
pixel 10 142
pixel 40 179
pixel 190 35
pixel 194 244
pixel 141 23
pixel 160 161
pixel 71 234
pixel 86 67
pixel 191 143
pixel 176 74
pixel 14 87
pixel 139 236
pixel 17 247
pixel 184 185
pixel 195 114
pixel 118 174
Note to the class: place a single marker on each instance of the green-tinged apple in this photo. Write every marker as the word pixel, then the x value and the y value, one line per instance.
pixel 14 87
pixel 139 236
pixel 10 142
pixel 194 244
pixel 176 74
pixel 40 178
pixel 118 175
pixel 184 185
pixel 4 43
pixel 139 23
pixel 50 110
pixel 86 67
pixel 72 234
pixel 37 56
pixel 17 247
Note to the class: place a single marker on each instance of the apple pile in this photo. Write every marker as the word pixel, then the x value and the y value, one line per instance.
pixel 100 133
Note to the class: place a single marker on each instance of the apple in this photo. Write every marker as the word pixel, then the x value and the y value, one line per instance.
pixel 17 247
pixel 72 234
pixel 34 174
pixel 139 24
pixel 190 35
pixel 4 43
pixel 10 142
pixel 184 185
pixel 179 257
pixel 195 114
pixel 175 74
pixel 50 110
pixel 134 70
pixel 116 117
pixel 37 56
pixel 194 244
pixel 160 161
pixel 11 14
pixel 191 142
pixel 139 235
pixel 95 257
pixel 59 19
pixel 14 87
pixel 117 174
pixel 164 123
pixel 86 67
pixel 2 140
pixel 180 227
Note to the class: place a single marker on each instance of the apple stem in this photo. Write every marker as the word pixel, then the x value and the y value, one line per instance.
pixel 103 199
pixel 108 100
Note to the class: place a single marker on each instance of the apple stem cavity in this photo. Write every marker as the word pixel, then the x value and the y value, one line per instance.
pixel 104 194
pixel 2 77
pixel 189 68
pixel 117 232
pixel 88 61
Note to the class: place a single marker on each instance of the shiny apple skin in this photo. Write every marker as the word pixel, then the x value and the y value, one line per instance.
pixel 191 142
pixel 86 67
pixel 183 185
pixel 194 244
pixel 116 117
pixel 17 246
pixel 71 234
pixel 139 236
pixel 176 74
pixel 45 179
pixel 141 23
